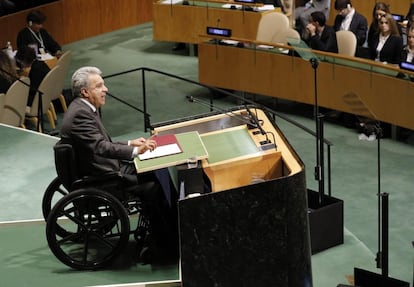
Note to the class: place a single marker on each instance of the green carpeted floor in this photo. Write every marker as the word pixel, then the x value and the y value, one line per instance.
pixel 25 255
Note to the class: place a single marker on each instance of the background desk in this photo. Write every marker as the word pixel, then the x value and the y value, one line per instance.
pixel 186 23
pixel 246 234
pixel 278 75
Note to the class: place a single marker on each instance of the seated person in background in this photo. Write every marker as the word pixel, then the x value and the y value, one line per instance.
pixel 35 34
pixel 303 12
pixel 7 72
pixel 386 45
pixel 98 154
pixel 350 20
pixel 321 37
pixel 380 9
pixel 35 69
pixel 407 54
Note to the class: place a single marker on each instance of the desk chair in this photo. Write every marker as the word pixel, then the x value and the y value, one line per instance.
pixel 15 101
pixel 347 43
pixel 64 63
pixel 271 27
pixel 290 33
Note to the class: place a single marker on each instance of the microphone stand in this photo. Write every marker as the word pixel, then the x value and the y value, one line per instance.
pixel 39 108
pixel 363 277
pixel 319 168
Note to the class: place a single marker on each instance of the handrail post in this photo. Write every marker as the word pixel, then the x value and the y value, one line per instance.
pixel 144 100
pixel 40 127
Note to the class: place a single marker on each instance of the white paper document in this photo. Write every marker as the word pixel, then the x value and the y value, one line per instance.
pixel 228 6
pixel 266 7
pixel 163 150
pixel 171 1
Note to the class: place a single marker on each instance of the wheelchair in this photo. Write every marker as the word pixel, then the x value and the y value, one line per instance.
pixel 88 219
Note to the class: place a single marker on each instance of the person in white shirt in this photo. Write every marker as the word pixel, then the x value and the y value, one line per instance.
pixel 386 45
pixel 350 20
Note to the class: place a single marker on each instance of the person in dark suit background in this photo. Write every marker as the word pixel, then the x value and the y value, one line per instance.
pixel 303 12
pixel 407 54
pixel 35 69
pixel 386 46
pixel 379 10
pixel 350 20
pixel 321 36
pixel 98 154
pixel 35 34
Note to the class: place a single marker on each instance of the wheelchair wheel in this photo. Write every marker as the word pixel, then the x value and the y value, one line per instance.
pixel 53 193
pixel 98 229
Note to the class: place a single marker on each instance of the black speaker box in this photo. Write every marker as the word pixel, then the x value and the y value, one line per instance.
pixel 366 278
pixel 326 221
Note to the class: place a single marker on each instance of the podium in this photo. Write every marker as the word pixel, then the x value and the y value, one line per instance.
pixel 247 232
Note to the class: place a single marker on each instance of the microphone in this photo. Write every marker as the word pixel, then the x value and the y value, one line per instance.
pixel 251 121
pixel 245 120
pixel 266 144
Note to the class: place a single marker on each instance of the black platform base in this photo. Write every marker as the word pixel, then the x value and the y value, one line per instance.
pixel 326 221
pixel 366 278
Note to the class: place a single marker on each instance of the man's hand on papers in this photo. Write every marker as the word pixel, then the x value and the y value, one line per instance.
pixel 144 144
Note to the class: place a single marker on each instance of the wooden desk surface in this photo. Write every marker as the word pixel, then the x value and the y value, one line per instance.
pixel 185 23
pixel 386 97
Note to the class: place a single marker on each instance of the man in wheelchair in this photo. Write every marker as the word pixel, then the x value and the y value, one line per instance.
pixel 97 155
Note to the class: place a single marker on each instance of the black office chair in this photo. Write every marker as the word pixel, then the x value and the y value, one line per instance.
pixel 88 218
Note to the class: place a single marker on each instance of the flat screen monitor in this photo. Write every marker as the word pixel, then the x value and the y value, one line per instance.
pixel 246 1
pixel 398 17
pixel 407 66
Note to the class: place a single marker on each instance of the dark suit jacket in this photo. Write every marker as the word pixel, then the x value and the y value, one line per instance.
pixel 4 85
pixel 95 151
pixel 359 26
pixel 326 41
pixel 25 38
pixel 404 56
pixel 390 52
